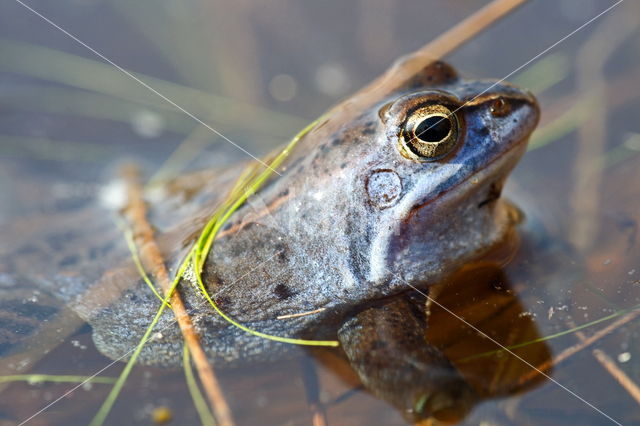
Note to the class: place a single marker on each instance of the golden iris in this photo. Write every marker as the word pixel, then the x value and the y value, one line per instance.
pixel 429 133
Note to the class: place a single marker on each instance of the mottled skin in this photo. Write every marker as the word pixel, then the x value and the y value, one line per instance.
pixel 326 240
pixel 349 224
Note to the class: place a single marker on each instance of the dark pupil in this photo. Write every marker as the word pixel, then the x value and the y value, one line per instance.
pixel 433 129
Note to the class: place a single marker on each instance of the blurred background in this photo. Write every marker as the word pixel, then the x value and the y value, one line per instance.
pixel 259 72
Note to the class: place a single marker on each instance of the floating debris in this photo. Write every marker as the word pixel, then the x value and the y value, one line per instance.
pixel 162 415
pixel 624 357
pixel 283 87
pixel 301 314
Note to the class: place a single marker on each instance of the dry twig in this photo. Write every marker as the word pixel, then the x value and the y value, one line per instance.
pixel 610 366
pixel 442 45
pixel 312 389
pixel 562 356
pixel 621 377
pixel 468 28
pixel 588 171
pixel 153 260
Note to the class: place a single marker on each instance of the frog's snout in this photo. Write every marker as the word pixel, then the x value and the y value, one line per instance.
pixel 535 107
pixel 527 97
pixel 526 116
pixel 513 115
pixel 504 101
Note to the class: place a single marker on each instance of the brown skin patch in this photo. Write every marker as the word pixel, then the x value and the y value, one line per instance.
pixel 69 261
pixel 223 302
pixel 59 241
pixel 495 190
pixel 282 252
pixel 434 74
pixel 282 291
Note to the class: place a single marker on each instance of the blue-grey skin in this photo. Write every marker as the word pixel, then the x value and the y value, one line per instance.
pixel 348 222
pixel 329 238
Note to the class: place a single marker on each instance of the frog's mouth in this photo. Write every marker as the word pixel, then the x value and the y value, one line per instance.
pixel 493 194
pixel 494 174
pixel 469 192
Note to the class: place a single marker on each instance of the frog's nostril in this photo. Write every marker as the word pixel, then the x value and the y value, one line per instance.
pixel 500 107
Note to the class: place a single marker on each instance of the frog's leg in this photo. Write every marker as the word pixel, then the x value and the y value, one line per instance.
pixel 386 346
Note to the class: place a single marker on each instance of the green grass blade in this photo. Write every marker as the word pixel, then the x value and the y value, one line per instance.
pixel 104 410
pixel 249 183
pixel 552 336
pixel 206 418
pixel 128 236
pixel 90 74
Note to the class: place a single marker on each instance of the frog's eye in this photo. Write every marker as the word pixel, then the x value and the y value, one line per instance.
pixel 429 133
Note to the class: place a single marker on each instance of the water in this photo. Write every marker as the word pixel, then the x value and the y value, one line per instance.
pixel 258 74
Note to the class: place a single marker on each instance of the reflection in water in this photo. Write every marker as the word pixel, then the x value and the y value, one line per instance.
pixel 437 366
pixel 484 297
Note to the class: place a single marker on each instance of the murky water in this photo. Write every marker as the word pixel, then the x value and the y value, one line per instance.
pixel 258 74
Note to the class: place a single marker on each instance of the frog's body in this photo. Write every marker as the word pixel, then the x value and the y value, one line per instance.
pixel 364 208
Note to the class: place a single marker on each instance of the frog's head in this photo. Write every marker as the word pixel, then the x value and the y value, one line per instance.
pixel 435 190
pixel 409 190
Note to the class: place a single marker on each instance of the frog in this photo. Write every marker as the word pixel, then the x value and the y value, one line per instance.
pixel 387 194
